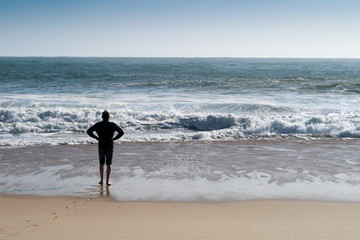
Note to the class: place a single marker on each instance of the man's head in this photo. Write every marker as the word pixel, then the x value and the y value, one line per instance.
pixel 105 115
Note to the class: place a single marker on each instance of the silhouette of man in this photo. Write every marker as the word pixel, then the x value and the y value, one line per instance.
pixel 105 131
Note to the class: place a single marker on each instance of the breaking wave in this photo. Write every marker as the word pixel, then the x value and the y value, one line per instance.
pixel 62 123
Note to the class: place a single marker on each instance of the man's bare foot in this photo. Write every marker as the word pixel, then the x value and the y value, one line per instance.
pixel 101 183
pixel 108 184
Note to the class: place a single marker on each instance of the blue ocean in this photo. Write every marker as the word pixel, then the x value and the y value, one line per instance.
pixel 54 100
pixel 196 129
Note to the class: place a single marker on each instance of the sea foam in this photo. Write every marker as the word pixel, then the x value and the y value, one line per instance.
pixel 32 124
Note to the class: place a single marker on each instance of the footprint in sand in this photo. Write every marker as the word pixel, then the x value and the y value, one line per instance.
pixel 54 216
pixel 30 224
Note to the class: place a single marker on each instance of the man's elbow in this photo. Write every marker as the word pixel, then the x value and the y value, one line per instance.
pixel 90 133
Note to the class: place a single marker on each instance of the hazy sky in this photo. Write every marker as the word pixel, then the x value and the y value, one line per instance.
pixel 180 28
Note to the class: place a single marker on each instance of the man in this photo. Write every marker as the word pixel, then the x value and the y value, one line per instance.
pixel 105 131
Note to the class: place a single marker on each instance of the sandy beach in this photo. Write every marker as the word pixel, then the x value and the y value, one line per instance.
pixel 29 217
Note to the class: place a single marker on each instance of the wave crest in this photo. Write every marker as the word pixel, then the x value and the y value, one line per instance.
pixel 208 123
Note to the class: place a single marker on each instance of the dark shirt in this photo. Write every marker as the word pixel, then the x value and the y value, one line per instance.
pixel 105 132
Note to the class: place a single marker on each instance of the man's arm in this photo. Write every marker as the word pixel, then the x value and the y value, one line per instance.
pixel 91 131
pixel 120 133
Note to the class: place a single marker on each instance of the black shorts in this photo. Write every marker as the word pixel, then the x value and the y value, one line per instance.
pixel 105 154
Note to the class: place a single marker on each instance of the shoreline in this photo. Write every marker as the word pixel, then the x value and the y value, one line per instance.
pixel 209 171
pixel 33 217
pixel 240 141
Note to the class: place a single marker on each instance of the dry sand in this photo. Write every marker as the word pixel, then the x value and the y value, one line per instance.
pixel 29 217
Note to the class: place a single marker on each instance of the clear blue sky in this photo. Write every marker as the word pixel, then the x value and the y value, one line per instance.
pixel 180 28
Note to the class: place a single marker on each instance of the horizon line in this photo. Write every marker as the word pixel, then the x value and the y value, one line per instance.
pixel 177 57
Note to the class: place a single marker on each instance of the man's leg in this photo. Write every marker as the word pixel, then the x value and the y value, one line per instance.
pixel 101 174
pixel 109 156
pixel 108 172
pixel 102 162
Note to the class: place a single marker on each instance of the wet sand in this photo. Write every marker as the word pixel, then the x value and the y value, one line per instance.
pixel 28 217
pixel 325 170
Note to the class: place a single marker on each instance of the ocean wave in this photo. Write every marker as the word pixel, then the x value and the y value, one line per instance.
pixel 208 123
pixel 36 122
